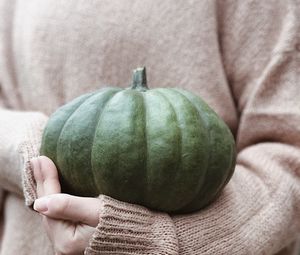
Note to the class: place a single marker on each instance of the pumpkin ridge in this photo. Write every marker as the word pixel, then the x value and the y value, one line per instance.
pixel 93 140
pixel 69 117
pixel 154 197
pixel 146 145
pixel 203 177
pixel 161 91
pixel 44 150
pixel 179 128
pixel 230 168
pixel 200 190
pixel 199 103
pixel 179 164
pixel 199 187
pixel 232 165
pixel 119 149
pixel 67 126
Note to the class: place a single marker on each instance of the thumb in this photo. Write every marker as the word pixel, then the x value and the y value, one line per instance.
pixel 46 176
pixel 66 207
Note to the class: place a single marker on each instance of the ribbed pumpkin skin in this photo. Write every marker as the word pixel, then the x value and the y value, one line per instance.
pixel 162 148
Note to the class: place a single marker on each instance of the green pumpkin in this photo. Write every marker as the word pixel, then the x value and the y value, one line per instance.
pixel 164 148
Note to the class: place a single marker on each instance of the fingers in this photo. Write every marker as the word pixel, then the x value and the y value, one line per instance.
pixel 35 165
pixel 46 176
pixel 49 172
pixel 62 212
pixel 66 207
pixel 61 206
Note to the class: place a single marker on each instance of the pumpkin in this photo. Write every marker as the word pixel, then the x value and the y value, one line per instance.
pixel 163 148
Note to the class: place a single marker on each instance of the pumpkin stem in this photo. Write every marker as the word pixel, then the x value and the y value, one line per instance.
pixel 139 79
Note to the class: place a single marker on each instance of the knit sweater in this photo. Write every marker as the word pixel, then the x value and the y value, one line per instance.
pixel 241 57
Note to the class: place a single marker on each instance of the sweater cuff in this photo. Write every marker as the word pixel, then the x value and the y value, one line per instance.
pixel 132 229
pixel 29 149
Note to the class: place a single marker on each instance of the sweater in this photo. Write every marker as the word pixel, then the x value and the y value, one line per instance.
pixel 241 57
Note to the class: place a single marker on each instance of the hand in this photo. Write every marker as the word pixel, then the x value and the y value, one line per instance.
pixel 68 220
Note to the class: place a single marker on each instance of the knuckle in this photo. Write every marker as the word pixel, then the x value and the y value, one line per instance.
pixel 59 204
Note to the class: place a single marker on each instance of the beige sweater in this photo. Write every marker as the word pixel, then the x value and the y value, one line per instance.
pixel 242 57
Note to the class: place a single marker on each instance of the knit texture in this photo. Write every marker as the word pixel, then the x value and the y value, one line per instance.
pixel 29 149
pixel 131 229
pixel 20 139
pixel 242 57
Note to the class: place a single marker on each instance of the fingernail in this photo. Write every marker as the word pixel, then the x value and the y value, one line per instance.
pixel 41 204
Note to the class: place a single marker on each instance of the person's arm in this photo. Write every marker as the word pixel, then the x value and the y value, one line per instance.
pixel 259 210
pixel 20 137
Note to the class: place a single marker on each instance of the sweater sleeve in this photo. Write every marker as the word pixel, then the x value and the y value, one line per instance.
pixel 258 211
pixel 20 137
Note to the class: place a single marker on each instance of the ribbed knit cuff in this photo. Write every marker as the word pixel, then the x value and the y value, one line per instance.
pixel 131 229
pixel 29 149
